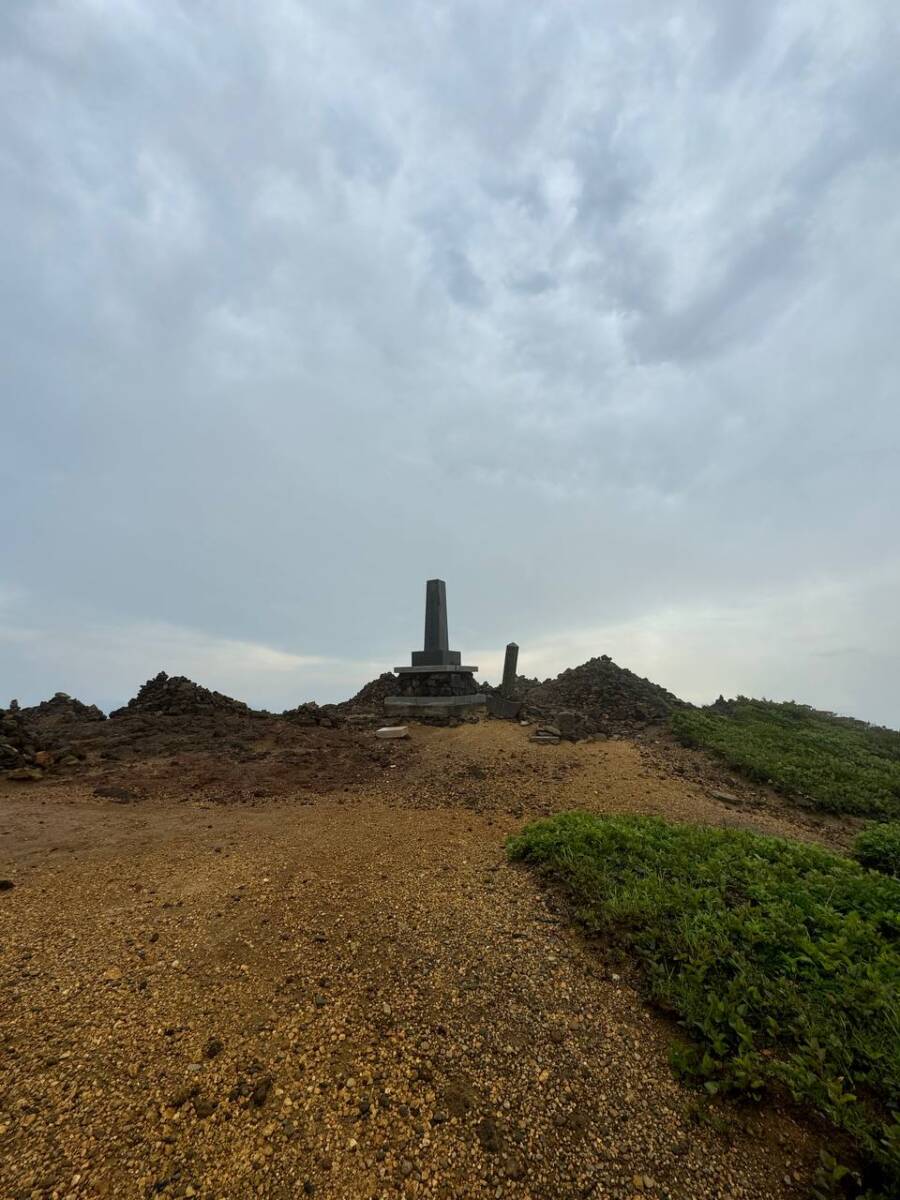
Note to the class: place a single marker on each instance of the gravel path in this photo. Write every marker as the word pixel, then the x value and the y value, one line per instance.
pixel 354 997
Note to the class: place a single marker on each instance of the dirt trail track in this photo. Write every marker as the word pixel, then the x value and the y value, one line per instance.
pixel 349 995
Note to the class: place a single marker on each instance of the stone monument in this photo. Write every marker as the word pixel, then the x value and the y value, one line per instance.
pixel 503 703
pixel 510 663
pixel 436 683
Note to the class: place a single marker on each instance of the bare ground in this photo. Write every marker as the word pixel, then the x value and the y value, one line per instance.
pixel 266 982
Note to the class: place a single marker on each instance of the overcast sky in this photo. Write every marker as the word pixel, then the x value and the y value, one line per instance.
pixel 590 309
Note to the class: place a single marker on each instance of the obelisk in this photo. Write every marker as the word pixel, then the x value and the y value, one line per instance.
pixel 436 681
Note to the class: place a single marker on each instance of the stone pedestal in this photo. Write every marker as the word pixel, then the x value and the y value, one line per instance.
pixel 433 706
pixel 437 681
pixel 500 706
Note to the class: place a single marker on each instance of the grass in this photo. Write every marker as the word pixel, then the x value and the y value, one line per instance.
pixel 878 847
pixel 780 960
pixel 833 763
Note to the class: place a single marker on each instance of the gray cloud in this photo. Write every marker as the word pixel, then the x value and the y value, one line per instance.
pixel 590 313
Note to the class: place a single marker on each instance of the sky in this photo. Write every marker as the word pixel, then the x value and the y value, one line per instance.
pixel 590 309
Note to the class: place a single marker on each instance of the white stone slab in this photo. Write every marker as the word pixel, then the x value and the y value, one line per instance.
pixel 392 731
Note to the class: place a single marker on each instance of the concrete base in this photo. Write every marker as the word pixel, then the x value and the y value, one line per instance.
pixel 506 710
pixel 412 706
pixel 439 670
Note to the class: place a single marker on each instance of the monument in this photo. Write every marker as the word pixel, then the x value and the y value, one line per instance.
pixel 510 663
pixel 504 704
pixel 436 683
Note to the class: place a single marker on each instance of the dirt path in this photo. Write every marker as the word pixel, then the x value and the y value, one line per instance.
pixel 349 997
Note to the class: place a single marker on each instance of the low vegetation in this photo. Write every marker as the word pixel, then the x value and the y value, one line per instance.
pixel 833 763
pixel 780 960
pixel 878 847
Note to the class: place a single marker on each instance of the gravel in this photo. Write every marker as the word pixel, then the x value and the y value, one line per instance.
pixel 164 967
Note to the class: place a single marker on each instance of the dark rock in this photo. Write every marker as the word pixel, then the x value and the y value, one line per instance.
pixel 374 693
pixel 488 1135
pixel 458 1099
pixel 177 696
pixel 444 683
pixel 6 885
pixel 514 1167
pixel 611 698
pixel 310 713
pixel 119 795
pixel 9 755
pixel 62 709
pixel 574 727
pixel 204 1107
pixel 181 1097
pixel 260 1093
pixel 213 1048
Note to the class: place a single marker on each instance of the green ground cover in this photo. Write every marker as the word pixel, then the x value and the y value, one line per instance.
pixel 833 763
pixel 878 847
pixel 780 960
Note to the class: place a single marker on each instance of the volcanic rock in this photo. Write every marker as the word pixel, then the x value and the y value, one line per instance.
pixel 21 744
pixel 311 713
pixel 177 696
pixel 521 688
pixel 62 709
pixel 374 693
pixel 600 697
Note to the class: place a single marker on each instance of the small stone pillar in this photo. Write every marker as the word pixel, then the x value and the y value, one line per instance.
pixel 508 686
pixel 503 703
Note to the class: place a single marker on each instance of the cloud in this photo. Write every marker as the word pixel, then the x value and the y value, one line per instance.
pixel 108 664
pixel 784 646
pixel 588 312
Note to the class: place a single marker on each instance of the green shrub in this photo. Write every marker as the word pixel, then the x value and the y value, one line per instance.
pixel 780 960
pixel 833 763
pixel 879 847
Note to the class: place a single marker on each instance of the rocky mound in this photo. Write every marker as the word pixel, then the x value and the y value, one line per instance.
pixel 523 686
pixel 374 693
pixel 600 697
pixel 25 752
pixel 63 709
pixel 311 713
pixel 177 696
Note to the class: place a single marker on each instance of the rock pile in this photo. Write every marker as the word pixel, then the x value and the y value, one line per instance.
pixel 373 694
pixel 523 686
pixel 311 713
pixel 177 696
pixel 600 697
pixel 25 752
pixel 62 709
